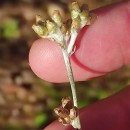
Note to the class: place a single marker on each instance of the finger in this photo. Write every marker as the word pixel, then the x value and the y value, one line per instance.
pixel 112 113
pixel 101 48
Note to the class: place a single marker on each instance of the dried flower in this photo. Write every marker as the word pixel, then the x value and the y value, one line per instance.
pixel 66 112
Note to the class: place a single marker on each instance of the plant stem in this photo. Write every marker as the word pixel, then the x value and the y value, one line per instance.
pixel 72 84
pixel 74 35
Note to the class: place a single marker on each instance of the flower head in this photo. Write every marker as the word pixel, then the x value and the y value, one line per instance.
pixel 60 31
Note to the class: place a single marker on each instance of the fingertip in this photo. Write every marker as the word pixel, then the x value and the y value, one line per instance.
pixel 43 57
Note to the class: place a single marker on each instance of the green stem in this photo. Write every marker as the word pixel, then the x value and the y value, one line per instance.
pixel 72 84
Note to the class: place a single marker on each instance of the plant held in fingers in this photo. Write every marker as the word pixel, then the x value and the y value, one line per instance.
pixel 63 32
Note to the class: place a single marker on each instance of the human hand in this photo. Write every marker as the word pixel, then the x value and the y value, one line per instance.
pixel 101 48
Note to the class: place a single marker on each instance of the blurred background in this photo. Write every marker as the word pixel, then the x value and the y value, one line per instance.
pixel 27 102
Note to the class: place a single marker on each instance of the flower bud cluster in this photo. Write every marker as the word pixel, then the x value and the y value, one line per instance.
pixel 57 30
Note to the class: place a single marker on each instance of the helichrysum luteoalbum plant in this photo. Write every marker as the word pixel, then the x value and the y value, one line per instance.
pixel 63 31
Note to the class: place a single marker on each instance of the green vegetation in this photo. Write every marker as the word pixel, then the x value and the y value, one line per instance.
pixel 11 29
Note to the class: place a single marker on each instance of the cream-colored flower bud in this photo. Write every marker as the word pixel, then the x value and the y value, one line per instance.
pixel 75 11
pixel 84 15
pixel 56 17
pixel 91 19
pixel 76 24
pixel 64 29
pixel 38 29
pixel 84 18
pixel 51 27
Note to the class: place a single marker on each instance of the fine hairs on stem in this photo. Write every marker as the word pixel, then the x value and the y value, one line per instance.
pixel 62 32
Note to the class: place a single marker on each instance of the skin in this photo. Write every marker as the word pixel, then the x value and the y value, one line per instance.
pixel 101 48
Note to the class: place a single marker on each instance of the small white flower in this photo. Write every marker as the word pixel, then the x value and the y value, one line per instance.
pixel 57 30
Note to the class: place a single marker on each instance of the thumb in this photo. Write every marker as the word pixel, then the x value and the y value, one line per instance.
pixel 101 48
